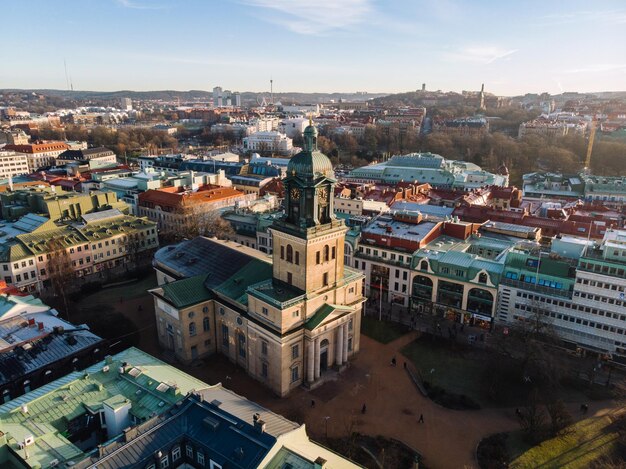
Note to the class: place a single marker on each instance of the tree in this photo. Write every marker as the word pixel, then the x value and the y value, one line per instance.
pixel 194 221
pixel 560 418
pixel 532 418
pixel 60 271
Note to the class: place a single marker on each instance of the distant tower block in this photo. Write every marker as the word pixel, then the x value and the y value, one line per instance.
pixel 481 97
pixel 423 86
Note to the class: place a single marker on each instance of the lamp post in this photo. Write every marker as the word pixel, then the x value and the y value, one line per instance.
pixel 380 298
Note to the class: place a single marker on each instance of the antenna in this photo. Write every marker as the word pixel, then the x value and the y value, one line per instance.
pixel 67 80
pixel 272 91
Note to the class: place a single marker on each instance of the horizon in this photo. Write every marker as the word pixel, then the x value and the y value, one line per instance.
pixel 345 46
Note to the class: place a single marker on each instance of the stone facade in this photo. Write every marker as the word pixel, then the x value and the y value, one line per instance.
pixel 288 321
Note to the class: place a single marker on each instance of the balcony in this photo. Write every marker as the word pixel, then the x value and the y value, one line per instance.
pixel 538 288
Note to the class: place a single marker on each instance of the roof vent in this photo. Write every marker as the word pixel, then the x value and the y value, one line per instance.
pixel 216 403
pixel 211 423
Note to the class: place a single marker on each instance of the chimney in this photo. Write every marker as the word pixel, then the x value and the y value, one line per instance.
pixel 320 462
pixel 130 433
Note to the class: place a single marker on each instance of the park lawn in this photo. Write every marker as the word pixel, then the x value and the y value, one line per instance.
pixel 455 372
pixel 589 440
pixel 381 331
pixel 126 291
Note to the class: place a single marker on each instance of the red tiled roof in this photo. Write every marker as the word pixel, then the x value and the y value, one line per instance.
pixel 177 197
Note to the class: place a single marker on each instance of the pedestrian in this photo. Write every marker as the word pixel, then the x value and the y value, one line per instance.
pixel 363 409
pixel 312 402
pixel 584 408
pixel 393 361
pixel 421 419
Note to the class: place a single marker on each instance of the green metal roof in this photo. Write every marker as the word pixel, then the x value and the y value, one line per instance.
pixel 253 272
pixel 147 383
pixel 187 292
pixel 322 313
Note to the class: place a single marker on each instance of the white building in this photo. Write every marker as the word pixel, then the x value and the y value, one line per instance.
pixel 578 289
pixel 12 164
pixel 273 142
pixel 126 104
pixel 293 126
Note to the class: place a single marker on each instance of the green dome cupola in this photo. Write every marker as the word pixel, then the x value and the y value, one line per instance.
pixel 309 184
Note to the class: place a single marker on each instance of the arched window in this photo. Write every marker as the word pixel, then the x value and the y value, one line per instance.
pixel 326 253
pixel 482 277
pixel 289 253
pixel 192 329
pixel 424 265
pixel 206 325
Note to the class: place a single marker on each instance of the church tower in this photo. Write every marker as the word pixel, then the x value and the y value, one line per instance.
pixel 308 242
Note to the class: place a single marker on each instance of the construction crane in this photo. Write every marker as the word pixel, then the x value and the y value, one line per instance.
pixel 592 135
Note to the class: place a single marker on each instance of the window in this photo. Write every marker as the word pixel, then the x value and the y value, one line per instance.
pixel 165 462
pixel 326 253
pixel 176 454
pixel 200 458
pixel 295 351
pixel 189 451
pixel 264 370
pixel 296 313
pixel 297 258
pixel 282 252
pixel 224 335
pixel 333 252
pixel 482 277
pixel 263 347
pixel 206 325
pixel 289 253
pixel 264 310
pixel 192 329
pixel 324 279
pixel 294 374
pixel 317 257
pixel 242 345
pixel 289 278
pixel 214 465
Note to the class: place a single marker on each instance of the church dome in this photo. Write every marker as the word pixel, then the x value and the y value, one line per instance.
pixel 310 162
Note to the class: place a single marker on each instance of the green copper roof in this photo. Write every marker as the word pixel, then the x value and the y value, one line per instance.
pixel 253 272
pixel 310 164
pixel 148 384
pixel 187 292
pixel 322 313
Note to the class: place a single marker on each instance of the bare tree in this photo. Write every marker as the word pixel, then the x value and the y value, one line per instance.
pixel 193 222
pixel 60 271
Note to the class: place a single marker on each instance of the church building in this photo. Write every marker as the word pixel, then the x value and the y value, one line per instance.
pixel 287 319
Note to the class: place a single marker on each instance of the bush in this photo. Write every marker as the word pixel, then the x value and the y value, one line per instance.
pixel 450 400
pixel 491 452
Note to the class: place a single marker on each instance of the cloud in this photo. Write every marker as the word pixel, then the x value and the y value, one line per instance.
pixel 137 6
pixel 584 16
pixel 597 68
pixel 313 17
pixel 479 54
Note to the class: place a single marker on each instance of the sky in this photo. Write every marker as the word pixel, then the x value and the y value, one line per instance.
pixel 379 46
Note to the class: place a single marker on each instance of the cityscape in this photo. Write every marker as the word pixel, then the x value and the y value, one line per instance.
pixel 327 272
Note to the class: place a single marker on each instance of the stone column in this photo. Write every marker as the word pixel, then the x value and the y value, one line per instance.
pixel 339 346
pixel 345 342
pixel 316 354
pixel 310 361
